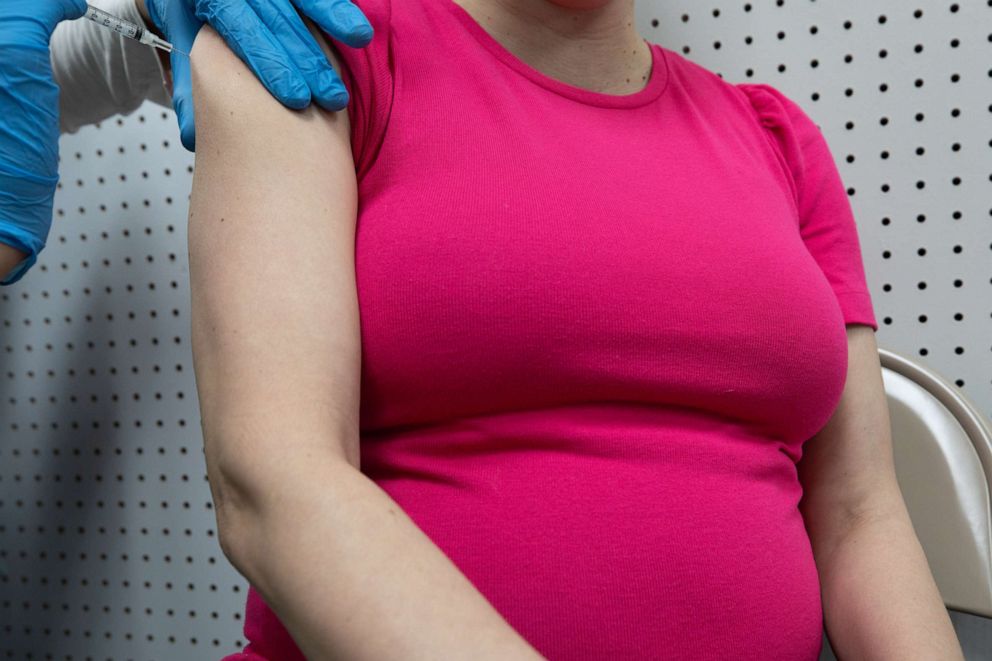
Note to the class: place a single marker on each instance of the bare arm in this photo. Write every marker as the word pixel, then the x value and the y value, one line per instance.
pixel 9 258
pixel 879 597
pixel 276 346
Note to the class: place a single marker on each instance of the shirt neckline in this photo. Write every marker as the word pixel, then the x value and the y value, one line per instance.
pixel 657 83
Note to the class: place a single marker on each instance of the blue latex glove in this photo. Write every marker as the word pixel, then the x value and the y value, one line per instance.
pixel 271 38
pixel 29 129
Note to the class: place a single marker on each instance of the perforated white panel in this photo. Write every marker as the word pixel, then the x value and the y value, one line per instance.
pixel 107 533
pixel 108 547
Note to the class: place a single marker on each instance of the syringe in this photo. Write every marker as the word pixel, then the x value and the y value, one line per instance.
pixel 129 29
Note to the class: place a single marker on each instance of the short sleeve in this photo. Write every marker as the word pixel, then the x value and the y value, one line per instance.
pixel 826 219
pixel 369 78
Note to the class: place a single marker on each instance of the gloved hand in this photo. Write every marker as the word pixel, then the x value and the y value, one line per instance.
pixel 271 38
pixel 29 130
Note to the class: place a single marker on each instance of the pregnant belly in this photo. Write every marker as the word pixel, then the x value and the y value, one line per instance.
pixel 627 540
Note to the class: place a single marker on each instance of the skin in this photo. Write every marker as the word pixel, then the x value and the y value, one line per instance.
pixel 592 44
pixel 9 258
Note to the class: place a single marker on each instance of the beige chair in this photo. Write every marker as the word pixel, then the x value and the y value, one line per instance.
pixel 942 446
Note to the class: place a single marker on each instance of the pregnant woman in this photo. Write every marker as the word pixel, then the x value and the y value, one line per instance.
pixel 555 344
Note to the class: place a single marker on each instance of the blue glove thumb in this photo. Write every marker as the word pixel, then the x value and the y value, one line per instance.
pixel 67 10
pixel 182 100
pixel 176 19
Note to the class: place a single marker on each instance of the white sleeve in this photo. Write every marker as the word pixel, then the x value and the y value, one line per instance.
pixel 101 73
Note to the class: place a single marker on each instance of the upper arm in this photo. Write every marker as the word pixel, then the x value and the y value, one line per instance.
pixel 275 324
pixel 847 469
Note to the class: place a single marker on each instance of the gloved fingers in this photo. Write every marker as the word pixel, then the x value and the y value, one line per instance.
pixel 182 100
pixel 25 216
pixel 73 9
pixel 255 44
pixel 29 100
pixel 31 23
pixel 29 123
pixel 339 18
pixel 29 244
pixel 156 10
pixel 325 84
pixel 176 19
pixel 15 237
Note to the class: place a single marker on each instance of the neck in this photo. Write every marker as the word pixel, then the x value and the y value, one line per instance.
pixel 591 44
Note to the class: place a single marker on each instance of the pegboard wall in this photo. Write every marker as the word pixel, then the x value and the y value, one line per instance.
pixel 108 548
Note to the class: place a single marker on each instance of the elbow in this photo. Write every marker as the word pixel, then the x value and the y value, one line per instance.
pixel 259 485
pixel 231 511
pixel 238 511
pixel 251 503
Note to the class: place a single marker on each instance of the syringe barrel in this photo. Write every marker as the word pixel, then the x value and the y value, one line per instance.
pixel 125 28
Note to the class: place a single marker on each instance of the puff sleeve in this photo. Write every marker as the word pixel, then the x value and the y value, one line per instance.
pixel 369 77
pixel 826 219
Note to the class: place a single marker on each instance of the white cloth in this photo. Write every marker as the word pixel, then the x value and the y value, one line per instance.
pixel 101 73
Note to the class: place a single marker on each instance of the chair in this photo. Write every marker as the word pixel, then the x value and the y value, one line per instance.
pixel 942 445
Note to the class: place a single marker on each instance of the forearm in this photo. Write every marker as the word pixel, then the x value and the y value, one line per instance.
pixel 351 576
pixel 9 258
pixel 879 597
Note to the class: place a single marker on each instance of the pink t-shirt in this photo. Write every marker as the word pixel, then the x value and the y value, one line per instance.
pixel 596 332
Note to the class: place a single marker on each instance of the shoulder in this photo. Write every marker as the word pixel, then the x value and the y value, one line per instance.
pixel 776 109
pixel 772 107
pixel 229 100
pixel 797 136
pixel 707 91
